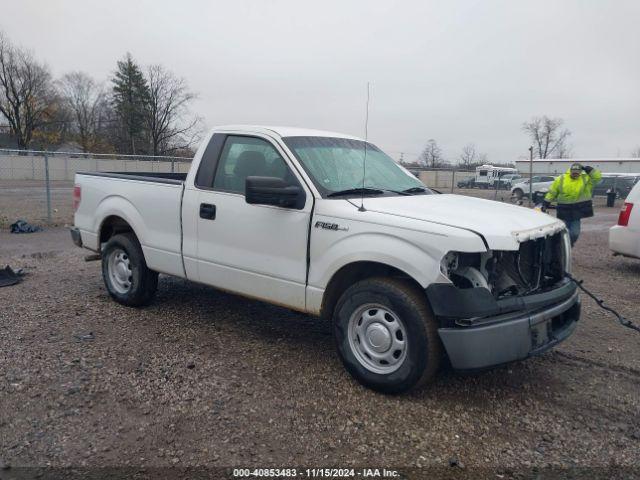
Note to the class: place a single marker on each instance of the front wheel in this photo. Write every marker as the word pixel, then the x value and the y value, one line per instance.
pixel 386 335
pixel 518 193
pixel 125 273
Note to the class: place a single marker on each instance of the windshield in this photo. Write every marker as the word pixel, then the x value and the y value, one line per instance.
pixel 336 164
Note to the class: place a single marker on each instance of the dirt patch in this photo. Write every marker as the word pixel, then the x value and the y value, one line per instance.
pixel 203 378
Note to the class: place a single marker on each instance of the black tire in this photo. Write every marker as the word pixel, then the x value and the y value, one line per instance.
pixel 537 197
pixel 143 282
pixel 518 193
pixel 424 350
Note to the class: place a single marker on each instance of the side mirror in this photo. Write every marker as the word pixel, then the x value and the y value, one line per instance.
pixel 273 191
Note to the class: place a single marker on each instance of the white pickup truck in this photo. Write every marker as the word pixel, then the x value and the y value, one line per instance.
pixel 407 277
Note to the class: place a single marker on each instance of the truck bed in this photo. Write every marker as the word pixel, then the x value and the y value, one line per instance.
pixel 150 200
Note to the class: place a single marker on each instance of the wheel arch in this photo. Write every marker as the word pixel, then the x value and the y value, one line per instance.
pixel 113 225
pixel 354 272
pixel 115 214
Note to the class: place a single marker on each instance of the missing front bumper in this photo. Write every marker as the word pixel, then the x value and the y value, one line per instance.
pixel 512 336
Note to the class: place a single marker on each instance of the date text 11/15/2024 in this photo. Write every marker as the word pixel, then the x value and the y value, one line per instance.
pixel 314 473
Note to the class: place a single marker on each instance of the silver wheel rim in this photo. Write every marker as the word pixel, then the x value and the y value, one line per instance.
pixel 377 338
pixel 119 269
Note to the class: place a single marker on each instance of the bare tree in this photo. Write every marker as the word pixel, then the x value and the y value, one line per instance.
pixel 25 91
pixel 87 104
pixel 57 127
pixel 548 137
pixel 431 155
pixel 170 126
pixel 469 155
pixel 564 151
pixel 635 153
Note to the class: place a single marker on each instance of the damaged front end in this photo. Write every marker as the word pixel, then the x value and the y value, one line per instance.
pixel 538 265
pixel 504 305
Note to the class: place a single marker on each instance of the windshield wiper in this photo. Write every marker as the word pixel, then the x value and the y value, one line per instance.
pixel 356 191
pixel 414 190
pixel 396 191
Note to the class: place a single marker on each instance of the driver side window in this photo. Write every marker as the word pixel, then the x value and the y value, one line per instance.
pixel 244 157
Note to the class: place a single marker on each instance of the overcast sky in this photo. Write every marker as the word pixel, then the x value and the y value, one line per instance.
pixel 455 71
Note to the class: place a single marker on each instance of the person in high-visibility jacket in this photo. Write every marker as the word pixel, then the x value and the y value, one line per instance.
pixel 573 191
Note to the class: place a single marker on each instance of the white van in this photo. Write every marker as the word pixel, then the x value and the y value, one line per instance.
pixel 488 175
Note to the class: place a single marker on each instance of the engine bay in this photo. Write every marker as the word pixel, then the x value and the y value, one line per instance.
pixel 538 265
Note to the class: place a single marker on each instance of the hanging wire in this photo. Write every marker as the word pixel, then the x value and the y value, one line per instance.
pixel 623 321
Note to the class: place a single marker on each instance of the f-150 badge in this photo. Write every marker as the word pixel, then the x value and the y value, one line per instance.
pixel 330 226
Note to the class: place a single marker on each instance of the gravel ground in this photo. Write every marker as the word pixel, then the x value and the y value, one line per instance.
pixel 27 199
pixel 204 378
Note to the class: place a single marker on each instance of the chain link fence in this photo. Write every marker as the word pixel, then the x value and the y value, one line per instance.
pixel 37 186
pixel 461 182
pixel 464 182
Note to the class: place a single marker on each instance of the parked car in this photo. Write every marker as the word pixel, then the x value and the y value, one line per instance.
pixel 624 238
pixel 622 185
pixel 540 184
pixel 507 181
pixel 467 183
pixel 280 215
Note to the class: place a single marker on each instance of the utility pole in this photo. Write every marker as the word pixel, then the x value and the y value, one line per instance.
pixel 530 176
pixel 47 186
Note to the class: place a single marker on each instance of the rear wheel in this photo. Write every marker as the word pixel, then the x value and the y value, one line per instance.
pixel 125 273
pixel 386 335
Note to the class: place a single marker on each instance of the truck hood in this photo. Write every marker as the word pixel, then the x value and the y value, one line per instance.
pixel 503 226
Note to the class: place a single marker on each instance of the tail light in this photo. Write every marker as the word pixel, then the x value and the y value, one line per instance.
pixel 77 194
pixel 625 213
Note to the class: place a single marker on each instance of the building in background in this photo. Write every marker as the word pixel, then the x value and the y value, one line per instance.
pixel 556 166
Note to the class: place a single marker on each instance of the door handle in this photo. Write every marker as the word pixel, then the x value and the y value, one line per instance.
pixel 207 211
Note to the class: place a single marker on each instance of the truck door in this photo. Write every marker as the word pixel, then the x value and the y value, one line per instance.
pixel 255 250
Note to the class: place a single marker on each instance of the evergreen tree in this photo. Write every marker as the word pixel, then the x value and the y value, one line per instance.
pixel 130 96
